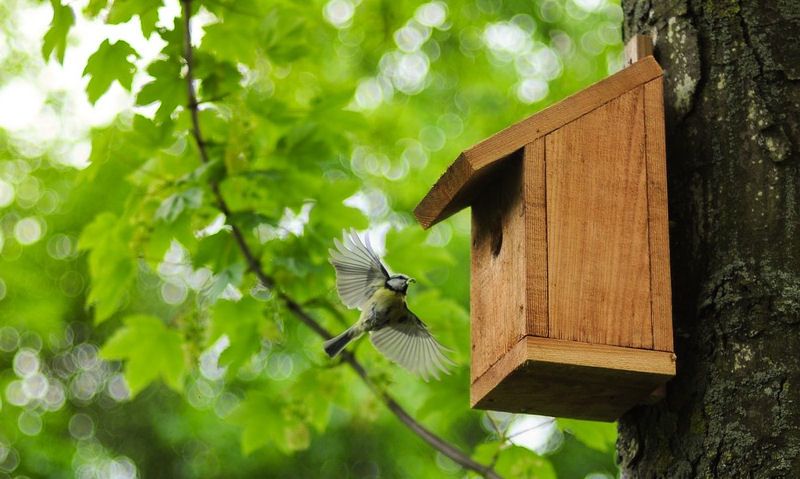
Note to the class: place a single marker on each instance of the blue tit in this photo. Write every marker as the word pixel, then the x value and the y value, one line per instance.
pixel 364 283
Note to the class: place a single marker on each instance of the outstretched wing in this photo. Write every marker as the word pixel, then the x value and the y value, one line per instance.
pixel 409 343
pixel 359 271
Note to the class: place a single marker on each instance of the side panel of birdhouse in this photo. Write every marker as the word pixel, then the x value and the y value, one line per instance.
pixel 598 261
pixel 497 292
pixel 536 238
pixel 661 289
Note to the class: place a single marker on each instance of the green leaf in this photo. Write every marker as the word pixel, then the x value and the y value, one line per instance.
pixel 167 88
pixel 147 10
pixel 112 264
pixel 241 321
pixel 151 351
pixel 172 207
pixel 601 436
pixel 55 40
pixel 109 64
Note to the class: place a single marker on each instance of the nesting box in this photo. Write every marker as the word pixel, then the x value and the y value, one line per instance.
pixel 570 295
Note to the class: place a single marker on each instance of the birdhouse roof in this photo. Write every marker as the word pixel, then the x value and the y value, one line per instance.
pixel 458 185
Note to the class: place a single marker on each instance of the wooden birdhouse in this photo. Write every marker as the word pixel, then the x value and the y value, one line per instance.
pixel 570 283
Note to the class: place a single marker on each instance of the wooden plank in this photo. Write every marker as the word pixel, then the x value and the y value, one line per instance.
pixel 571 379
pixel 536 238
pixel 637 48
pixel 497 291
pixel 597 227
pixel 453 191
pixel 660 286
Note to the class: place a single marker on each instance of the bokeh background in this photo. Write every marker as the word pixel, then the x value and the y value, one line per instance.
pixel 134 342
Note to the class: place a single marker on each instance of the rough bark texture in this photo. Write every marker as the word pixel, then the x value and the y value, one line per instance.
pixel 732 97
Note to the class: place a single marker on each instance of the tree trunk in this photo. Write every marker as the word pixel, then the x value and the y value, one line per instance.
pixel 732 97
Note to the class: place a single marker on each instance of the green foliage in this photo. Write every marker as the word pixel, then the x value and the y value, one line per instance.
pixel 312 122
pixel 55 40
pixel 108 64
pixel 150 351
pixel 111 264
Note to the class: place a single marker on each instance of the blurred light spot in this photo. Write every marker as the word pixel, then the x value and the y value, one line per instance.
pixel 280 366
pixel 432 14
pixel 575 12
pixel 226 403
pixel 209 359
pixel 173 293
pixel 532 90
pixel 414 153
pixel 35 386
pixel 201 394
pixel 591 43
pixel 369 94
pixel 85 355
pixel 451 124
pixel 525 22
pixel 439 235
pixel 60 246
pixel 432 138
pixel 31 340
pixel 550 11
pixel 120 468
pixel 589 5
pixel 339 12
pixel 6 193
pixel 410 38
pixel 613 13
pixel 71 283
pixel 562 43
pixel 506 40
pixel 199 279
pixel 28 192
pixel 22 101
pixel 26 363
pixel 28 230
pixel 29 423
pixel 533 432
pixel 15 395
pixel 84 386
pixel 609 33
pixel 407 71
pixel 48 202
pixel 81 426
pixel 117 388
pixel 542 63
pixel 9 338
pixel 11 460
pixel 55 397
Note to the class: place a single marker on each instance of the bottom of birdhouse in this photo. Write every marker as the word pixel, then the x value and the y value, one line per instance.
pixel 560 378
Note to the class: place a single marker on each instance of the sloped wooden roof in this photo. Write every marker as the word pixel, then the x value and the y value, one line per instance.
pixel 455 189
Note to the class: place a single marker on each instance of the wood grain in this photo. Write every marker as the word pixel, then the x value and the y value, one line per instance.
pixel 571 379
pixel 497 291
pixel 598 249
pixel 637 48
pixel 536 238
pixel 660 286
pixel 451 192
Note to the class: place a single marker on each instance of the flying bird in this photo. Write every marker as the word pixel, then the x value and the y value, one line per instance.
pixel 364 283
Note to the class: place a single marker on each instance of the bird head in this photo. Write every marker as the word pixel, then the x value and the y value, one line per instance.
pixel 399 283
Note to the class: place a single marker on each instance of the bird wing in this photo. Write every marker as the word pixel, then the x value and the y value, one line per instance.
pixel 359 272
pixel 409 343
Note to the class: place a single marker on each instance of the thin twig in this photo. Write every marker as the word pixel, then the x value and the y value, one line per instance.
pixel 293 306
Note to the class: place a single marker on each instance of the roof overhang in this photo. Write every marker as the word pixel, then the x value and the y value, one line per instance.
pixel 458 185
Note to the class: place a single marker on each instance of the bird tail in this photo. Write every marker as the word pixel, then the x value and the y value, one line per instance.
pixel 335 345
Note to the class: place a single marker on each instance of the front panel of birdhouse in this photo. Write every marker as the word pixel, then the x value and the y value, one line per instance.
pixel 570 293
pixel 569 253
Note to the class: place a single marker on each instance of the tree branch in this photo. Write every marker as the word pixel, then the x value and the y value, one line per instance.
pixel 293 306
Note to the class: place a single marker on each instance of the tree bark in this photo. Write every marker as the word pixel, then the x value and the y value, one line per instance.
pixel 732 97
